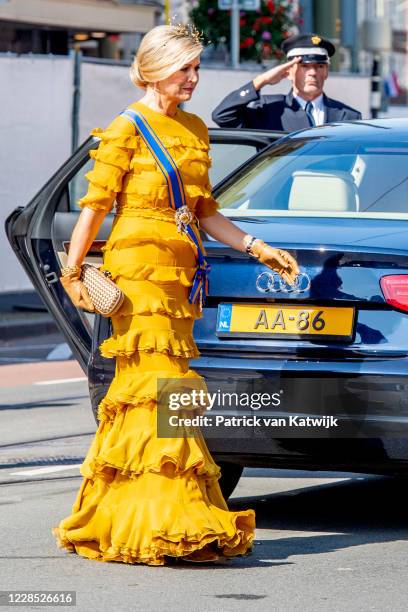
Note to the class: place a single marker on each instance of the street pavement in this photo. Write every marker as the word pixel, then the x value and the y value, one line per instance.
pixel 40 373
pixel 324 541
pixel 39 347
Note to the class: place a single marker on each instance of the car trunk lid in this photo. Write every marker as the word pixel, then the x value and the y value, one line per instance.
pixel 342 263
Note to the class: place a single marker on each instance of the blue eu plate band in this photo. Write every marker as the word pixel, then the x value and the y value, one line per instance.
pixel 177 196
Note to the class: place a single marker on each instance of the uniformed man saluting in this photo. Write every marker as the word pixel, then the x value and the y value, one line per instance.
pixel 304 106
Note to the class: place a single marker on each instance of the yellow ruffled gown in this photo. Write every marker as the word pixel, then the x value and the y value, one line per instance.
pixel 143 498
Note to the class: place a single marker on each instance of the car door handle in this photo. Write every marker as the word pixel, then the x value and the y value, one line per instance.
pixel 50 277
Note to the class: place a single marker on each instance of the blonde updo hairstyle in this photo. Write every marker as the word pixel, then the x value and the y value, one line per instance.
pixel 162 51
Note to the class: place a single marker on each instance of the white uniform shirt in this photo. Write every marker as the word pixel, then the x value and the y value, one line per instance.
pixel 318 108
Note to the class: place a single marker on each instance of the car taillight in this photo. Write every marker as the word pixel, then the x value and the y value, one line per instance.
pixel 395 290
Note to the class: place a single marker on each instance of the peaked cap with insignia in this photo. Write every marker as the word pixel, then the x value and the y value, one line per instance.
pixel 312 48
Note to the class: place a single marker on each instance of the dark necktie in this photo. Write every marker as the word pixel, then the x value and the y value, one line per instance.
pixel 309 112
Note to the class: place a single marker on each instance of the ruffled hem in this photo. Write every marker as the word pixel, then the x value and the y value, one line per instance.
pixel 143 166
pixel 125 391
pixel 120 139
pixel 94 206
pixel 147 235
pixel 172 545
pixel 127 445
pixel 145 304
pixel 97 198
pixel 193 142
pixel 98 467
pixel 155 273
pixel 152 199
pixel 134 185
pixel 106 177
pixel 112 156
pixel 129 523
pixel 133 141
pixel 150 340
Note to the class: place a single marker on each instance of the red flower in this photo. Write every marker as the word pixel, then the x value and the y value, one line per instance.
pixel 266 19
pixel 271 6
pixel 249 41
pixel 242 22
pixel 257 24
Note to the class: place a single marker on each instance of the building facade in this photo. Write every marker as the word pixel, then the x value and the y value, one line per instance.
pixel 99 28
pixel 394 62
pixel 342 21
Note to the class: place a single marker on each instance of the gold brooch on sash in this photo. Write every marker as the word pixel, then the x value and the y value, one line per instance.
pixel 183 216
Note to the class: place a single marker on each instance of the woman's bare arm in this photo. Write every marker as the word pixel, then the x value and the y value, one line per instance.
pixel 84 233
pixel 224 230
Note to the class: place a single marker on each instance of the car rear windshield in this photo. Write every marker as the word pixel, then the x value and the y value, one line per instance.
pixel 317 177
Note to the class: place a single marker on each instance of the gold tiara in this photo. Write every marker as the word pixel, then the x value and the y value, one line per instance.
pixel 187 31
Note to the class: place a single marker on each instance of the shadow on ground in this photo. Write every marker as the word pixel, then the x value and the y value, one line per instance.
pixel 353 513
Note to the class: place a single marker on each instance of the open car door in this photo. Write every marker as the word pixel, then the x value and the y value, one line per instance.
pixel 39 234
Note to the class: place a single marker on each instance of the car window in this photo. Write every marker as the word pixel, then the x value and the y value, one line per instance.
pixel 226 157
pixel 316 177
pixel 78 185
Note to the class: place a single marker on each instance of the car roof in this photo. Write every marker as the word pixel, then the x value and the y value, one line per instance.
pixel 395 130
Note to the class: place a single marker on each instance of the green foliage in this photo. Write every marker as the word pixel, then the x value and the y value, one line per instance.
pixel 261 32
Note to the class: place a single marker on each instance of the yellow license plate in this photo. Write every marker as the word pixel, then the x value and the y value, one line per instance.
pixel 285 321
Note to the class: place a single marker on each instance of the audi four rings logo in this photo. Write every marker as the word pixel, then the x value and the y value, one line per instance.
pixel 271 281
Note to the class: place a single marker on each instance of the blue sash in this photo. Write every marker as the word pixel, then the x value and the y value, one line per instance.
pixel 177 197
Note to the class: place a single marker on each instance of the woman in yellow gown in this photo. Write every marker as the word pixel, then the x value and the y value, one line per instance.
pixel 145 499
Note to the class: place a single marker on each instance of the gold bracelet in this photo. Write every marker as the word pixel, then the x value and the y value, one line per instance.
pixel 247 240
pixel 248 246
pixel 69 269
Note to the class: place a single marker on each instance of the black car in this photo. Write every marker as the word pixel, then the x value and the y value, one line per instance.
pixel 337 343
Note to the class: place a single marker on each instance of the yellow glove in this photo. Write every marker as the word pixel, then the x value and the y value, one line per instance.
pixel 75 288
pixel 278 260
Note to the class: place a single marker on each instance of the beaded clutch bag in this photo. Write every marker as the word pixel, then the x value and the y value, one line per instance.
pixel 104 293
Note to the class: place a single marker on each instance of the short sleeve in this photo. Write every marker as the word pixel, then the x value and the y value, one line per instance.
pixel 206 207
pixel 112 162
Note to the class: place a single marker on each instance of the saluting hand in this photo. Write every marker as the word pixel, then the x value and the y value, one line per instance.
pixel 275 75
